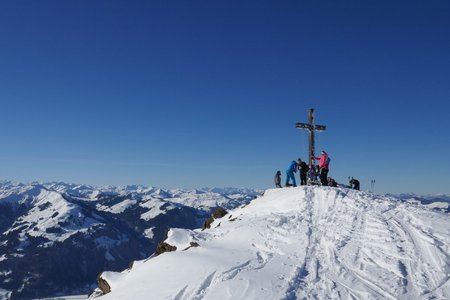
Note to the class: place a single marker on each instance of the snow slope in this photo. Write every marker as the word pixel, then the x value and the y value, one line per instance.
pixel 49 228
pixel 304 242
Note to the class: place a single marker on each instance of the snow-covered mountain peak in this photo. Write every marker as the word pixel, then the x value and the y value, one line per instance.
pixel 50 216
pixel 305 242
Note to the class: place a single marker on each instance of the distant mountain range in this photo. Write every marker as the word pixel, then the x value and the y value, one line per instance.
pixel 56 238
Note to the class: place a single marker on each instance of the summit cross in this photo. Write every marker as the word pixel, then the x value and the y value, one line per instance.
pixel 311 128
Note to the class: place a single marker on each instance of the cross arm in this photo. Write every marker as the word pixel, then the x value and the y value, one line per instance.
pixel 308 126
pixel 320 127
pixel 303 125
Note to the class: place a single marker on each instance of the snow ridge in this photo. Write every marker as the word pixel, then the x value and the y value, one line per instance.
pixel 303 243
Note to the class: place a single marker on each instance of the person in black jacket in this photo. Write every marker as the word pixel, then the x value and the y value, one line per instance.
pixel 303 170
pixel 277 179
pixel 354 183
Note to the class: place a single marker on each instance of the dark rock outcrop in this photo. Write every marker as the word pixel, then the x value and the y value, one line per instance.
pixel 207 223
pixel 193 245
pixel 103 285
pixel 217 214
pixel 164 247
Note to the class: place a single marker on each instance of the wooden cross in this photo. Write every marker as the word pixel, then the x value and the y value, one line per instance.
pixel 311 128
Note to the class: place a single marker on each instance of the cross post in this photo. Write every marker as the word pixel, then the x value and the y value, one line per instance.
pixel 311 128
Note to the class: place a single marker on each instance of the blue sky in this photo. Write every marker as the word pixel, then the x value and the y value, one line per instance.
pixel 207 93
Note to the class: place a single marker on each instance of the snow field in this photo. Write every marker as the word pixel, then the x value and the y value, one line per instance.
pixel 302 243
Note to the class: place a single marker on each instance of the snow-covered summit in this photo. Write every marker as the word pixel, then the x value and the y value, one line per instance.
pixel 304 242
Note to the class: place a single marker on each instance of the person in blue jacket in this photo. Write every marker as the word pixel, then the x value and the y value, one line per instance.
pixel 290 173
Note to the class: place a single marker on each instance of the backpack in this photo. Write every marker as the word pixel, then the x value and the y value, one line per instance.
pixel 332 182
pixel 327 161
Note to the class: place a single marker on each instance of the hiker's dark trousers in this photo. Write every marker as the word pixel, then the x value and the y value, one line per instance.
pixel 323 176
pixel 302 179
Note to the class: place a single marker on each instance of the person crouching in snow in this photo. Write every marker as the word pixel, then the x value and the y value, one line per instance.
pixel 354 183
pixel 324 162
pixel 290 173
pixel 277 179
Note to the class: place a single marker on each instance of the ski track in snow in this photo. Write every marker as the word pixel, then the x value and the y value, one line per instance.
pixel 206 284
pixel 390 246
pixel 331 244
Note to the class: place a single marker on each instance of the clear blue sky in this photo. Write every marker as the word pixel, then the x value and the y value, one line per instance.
pixel 207 93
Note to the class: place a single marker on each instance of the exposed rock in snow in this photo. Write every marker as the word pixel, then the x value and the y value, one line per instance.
pixel 164 247
pixel 217 214
pixel 103 286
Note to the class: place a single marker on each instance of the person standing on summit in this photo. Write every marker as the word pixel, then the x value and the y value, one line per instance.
pixel 290 173
pixel 303 170
pixel 277 179
pixel 324 162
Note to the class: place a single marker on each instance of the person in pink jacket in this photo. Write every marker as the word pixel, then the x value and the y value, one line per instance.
pixel 324 162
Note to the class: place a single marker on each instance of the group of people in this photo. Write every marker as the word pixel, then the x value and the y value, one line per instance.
pixel 310 172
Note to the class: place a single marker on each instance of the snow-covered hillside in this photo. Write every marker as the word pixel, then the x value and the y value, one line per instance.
pixel 304 242
pixel 47 229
